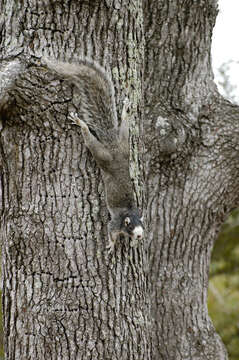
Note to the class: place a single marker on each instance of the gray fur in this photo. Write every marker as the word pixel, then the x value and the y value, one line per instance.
pixel 95 86
pixel 112 156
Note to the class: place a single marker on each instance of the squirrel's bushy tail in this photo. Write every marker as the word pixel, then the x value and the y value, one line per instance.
pixel 95 87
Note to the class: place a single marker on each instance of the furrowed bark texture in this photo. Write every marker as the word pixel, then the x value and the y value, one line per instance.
pixel 63 297
pixel 191 138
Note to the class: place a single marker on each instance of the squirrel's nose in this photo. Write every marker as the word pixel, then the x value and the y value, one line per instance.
pixel 138 232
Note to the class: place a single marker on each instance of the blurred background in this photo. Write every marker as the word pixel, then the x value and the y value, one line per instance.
pixel 223 296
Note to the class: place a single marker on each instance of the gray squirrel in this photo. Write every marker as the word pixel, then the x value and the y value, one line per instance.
pixel 111 153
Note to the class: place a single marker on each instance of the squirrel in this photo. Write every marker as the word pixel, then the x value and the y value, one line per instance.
pixel 112 152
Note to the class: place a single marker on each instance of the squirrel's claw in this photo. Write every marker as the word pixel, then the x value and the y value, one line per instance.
pixel 110 247
pixel 77 121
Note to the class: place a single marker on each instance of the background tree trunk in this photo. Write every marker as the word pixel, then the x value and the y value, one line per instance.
pixel 64 297
pixel 192 180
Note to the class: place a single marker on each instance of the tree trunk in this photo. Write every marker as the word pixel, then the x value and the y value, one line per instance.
pixel 64 297
pixel 191 138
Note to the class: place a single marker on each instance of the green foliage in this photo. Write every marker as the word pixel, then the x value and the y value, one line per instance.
pixel 1 325
pixel 223 298
pixel 226 251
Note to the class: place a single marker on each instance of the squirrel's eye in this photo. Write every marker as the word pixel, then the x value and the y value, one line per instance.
pixel 127 221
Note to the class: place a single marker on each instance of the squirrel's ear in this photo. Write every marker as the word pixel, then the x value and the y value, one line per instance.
pixel 124 126
pixel 127 221
pixel 141 215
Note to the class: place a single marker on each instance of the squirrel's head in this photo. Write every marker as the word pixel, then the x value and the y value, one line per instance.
pixel 132 224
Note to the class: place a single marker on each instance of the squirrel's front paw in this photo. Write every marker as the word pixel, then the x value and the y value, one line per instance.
pixel 111 246
pixel 73 117
pixel 77 121
pixel 134 242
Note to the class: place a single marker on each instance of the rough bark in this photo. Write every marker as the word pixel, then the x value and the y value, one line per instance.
pixel 64 298
pixel 192 150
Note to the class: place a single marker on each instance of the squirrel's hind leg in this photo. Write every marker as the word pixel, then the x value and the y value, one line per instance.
pixel 97 149
pixel 124 128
